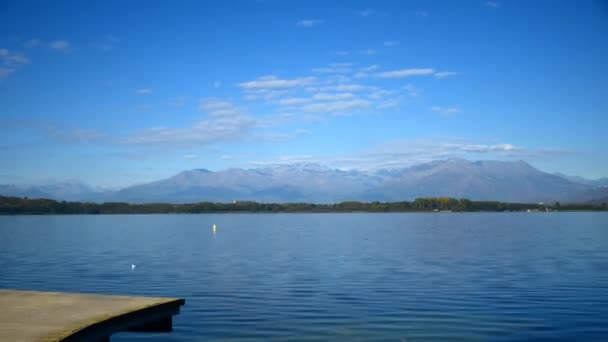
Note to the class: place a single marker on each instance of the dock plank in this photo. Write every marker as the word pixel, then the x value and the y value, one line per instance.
pixel 58 316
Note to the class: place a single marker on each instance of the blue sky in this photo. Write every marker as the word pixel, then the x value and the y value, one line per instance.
pixel 114 93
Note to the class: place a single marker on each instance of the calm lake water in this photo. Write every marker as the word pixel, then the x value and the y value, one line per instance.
pixel 469 276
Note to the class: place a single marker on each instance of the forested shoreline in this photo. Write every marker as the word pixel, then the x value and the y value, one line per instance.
pixel 27 206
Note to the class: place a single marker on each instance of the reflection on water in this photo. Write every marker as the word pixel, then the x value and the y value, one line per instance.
pixel 473 276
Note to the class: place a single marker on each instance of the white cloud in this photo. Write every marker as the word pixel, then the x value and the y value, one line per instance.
pixel 143 91
pixel 272 82
pixel 492 4
pixel 309 22
pixel 282 136
pixel 77 135
pixel 218 107
pixel 111 38
pixel 333 97
pixel 342 88
pixel 481 148
pixel 5 72
pixel 32 43
pixel 388 104
pixel 341 65
pixel 370 68
pixel 224 123
pixel 333 79
pixel 391 43
pixel 60 45
pixel 443 74
pixel 190 156
pixel 266 94
pixel 411 90
pixel 19 59
pixel 365 13
pixel 107 43
pixel 8 59
pixel 404 153
pixel 336 106
pixel 10 62
pixel 406 73
pixel 234 156
pixel 293 101
pixel 421 14
pixel 217 84
pixel 378 94
pixel 342 53
pixel 181 101
pixel 446 111
pixel 335 68
pixel 367 52
pixel 364 72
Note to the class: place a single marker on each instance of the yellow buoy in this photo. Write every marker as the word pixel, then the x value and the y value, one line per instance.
pixel 214 227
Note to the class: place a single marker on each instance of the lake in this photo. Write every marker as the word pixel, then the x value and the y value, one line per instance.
pixel 389 277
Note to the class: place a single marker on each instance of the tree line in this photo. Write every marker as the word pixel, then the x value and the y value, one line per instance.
pixel 18 205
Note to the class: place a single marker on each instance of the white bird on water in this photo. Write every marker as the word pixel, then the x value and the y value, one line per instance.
pixel 132 267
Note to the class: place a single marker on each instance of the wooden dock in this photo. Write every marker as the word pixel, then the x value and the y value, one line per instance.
pixel 57 316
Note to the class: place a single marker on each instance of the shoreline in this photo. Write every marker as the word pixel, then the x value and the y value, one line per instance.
pixel 438 205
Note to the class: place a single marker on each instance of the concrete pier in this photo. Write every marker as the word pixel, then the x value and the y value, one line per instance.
pixel 69 317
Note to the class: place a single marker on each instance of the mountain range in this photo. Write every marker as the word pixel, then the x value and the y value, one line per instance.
pixel 509 181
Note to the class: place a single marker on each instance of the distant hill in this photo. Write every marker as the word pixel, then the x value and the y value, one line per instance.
pixel 67 191
pixel 313 183
pixel 600 182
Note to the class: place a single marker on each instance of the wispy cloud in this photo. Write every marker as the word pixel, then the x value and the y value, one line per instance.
pixel 421 14
pixel 378 94
pixel 344 88
pixel 143 91
pixel 10 62
pixel 5 72
pixel 225 122
pixel 60 45
pixel 365 13
pixel 404 153
pixel 293 101
pixel 219 107
pixel 342 53
pixel 492 4
pixel 370 68
pixel 337 107
pixel 411 90
pixel 281 136
pixel 367 52
pixel 32 43
pixel 6 57
pixel 446 111
pixel 273 82
pixel 388 104
pixel 190 156
pixel 107 43
pixel 334 68
pixel 309 22
pixel 75 135
pixel 406 73
pixel 333 97
pixel 181 101
pixel 443 74
pixel 391 43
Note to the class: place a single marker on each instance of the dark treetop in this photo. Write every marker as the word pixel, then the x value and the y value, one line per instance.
pixel 16 205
